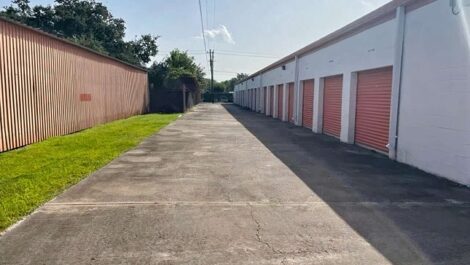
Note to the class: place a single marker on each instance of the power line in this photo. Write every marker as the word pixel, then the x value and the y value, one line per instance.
pixel 188 51
pixel 202 29
pixel 209 41
pixel 224 73
pixel 229 52
pixel 213 20
pixel 247 55
pixel 228 72
pixel 207 14
pixel 200 52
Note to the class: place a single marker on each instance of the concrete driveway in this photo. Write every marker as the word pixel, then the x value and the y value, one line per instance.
pixel 226 186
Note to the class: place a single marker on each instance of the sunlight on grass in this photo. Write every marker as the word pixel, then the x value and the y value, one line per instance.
pixel 33 175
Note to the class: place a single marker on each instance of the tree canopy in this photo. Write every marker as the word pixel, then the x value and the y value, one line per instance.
pixel 91 24
pixel 87 23
pixel 227 85
pixel 176 69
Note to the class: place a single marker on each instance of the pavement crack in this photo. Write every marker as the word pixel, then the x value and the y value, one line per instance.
pixel 258 232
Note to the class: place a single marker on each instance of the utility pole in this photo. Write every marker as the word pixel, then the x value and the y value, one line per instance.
pixel 211 55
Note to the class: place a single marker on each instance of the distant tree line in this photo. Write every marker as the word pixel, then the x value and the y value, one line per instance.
pixel 87 23
pixel 227 85
pixel 179 65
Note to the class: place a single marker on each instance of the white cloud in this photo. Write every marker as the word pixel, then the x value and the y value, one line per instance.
pixel 220 33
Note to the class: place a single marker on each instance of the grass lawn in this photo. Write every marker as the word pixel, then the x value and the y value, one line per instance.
pixel 35 174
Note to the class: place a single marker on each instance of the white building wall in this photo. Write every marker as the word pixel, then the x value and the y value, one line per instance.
pixel 277 76
pixel 434 108
pixel 373 48
pixel 369 49
pixel 434 119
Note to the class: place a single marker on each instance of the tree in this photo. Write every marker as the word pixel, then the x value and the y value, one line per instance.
pixel 219 87
pixel 87 23
pixel 178 68
pixel 235 80
pixel 225 86
pixel 229 85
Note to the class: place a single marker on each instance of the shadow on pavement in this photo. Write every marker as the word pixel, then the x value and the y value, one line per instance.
pixel 409 216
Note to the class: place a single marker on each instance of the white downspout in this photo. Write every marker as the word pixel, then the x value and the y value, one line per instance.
pixel 261 93
pixel 396 82
pixel 297 93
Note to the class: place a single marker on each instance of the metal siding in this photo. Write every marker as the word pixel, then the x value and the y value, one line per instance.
pixel 290 110
pixel 279 102
pixel 374 89
pixel 332 105
pixel 42 78
pixel 307 105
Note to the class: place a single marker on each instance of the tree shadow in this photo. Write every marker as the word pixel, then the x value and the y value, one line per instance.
pixel 409 216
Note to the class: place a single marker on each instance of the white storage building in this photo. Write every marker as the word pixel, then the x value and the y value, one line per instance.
pixel 396 81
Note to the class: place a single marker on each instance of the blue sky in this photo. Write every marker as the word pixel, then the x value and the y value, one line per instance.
pixel 236 29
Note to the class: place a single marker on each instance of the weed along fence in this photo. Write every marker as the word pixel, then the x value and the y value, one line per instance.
pixel 51 87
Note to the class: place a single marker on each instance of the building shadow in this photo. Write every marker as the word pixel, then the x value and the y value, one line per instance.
pixel 409 216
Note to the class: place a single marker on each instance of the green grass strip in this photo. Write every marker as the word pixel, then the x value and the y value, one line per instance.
pixel 33 175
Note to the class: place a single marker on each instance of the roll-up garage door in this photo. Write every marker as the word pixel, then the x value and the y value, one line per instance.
pixel 271 101
pixel 257 98
pixel 279 101
pixel 307 104
pixel 266 101
pixel 333 87
pixel 290 109
pixel 254 99
pixel 248 99
pixel 251 99
pixel 374 90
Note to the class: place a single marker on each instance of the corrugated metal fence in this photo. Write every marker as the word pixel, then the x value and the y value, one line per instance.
pixel 50 87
